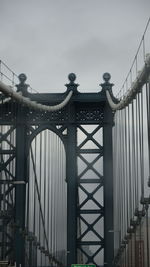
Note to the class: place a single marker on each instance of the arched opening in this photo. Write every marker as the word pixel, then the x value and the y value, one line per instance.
pixel 46 201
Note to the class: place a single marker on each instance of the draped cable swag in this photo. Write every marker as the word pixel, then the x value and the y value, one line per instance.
pixel 32 104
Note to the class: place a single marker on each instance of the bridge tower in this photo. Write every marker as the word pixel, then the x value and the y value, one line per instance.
pixel 90 115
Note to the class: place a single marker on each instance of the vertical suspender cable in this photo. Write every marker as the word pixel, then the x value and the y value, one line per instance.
pixel 40 174
pixel 40 205
pixel 126 160
pixel 134 174
pixel 119 182
pixel 133 156
pixel 123 176
pixel 48 187
pixel 141 164
pixel 137 156
pixel 34 210
pixel 44 178
pixel 51 192
pixel 51 188
pixel 148 135
pixel 27 205
pixel 129 163
pixel 140 145
pixel 127 177
pixel 55 196
pixel 148 120
pixel 142 140
pixel 58 199
pixel 123 183
pixel 57 190
pixel 55 199
pixel 52 196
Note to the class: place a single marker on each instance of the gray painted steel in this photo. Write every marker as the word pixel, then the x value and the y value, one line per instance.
pixel 83 109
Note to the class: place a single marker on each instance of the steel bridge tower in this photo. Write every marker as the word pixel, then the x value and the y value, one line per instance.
pixel 84 109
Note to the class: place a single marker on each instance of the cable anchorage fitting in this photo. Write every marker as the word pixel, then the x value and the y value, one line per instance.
pixel 130 230
pixel 139 213
pixel 145 200
pixel 134 223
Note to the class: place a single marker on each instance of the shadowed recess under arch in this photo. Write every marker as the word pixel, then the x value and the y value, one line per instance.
pixel 46 209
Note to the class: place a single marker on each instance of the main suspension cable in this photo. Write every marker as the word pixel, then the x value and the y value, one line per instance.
pixel 137 85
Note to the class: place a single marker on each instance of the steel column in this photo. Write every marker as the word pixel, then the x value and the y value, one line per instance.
pixel 71 195
pixel 108 188
pixel 20 191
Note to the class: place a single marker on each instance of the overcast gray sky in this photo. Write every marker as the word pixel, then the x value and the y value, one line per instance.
pixel 47 39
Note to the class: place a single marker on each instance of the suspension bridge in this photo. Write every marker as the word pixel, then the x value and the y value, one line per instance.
pixel 75 171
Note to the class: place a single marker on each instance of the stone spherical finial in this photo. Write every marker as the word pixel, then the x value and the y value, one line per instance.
pixel 72 77
pixel 22 78
pixel 106 77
